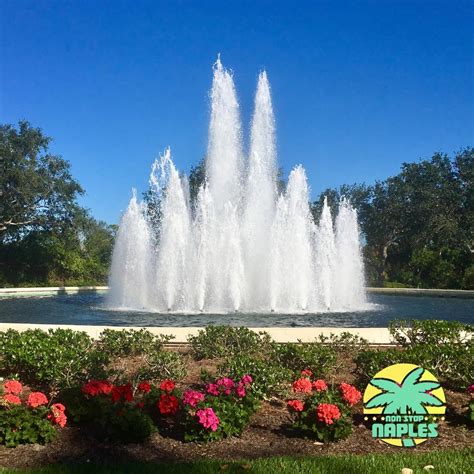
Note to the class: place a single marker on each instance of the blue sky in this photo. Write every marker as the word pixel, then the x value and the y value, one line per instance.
pixel 358 87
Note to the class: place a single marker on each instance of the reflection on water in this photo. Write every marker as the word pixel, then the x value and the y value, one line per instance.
pixel 89 309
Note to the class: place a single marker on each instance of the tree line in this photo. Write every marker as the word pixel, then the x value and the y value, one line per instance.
pixel 417 227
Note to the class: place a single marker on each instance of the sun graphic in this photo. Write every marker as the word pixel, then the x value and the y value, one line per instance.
pixel 404 389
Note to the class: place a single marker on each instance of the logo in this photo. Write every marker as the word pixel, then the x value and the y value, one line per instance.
pixel 405 404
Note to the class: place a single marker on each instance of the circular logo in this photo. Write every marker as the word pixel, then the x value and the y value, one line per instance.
pixel 404 403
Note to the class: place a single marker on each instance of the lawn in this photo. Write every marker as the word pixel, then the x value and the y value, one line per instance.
pixel 453 461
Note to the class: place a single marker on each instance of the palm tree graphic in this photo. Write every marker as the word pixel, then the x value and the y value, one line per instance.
pixel 409 397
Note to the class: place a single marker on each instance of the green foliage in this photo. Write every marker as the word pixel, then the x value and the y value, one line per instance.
pixel 445 348
pixel 22 425
pixel 162 364
pixel 371 361
pixel 225 341
pixel 269 378
pixel 57 359
pixel 315 356
pixel 131 342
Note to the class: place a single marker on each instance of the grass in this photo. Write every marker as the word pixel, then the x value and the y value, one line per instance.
pixel 458 461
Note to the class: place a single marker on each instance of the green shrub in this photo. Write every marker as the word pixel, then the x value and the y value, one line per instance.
pixel 315 356
pixel 161 364
pixel 409 333
pixel 371 361
pixel 269 379
pixel 445 348
pixel 58 358
pixel 122 343
pixel 225 341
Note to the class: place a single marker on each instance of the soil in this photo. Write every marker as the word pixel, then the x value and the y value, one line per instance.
pixel 269 434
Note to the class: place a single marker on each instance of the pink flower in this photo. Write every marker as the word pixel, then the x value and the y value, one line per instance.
pixel 240 390
pixel 350 394
pixel 208 419
pixel 227 384
pixel 470 389
pixel 302 385
pixel 212 389
pixel 12 386
pixel 246 379
pixel 36 399
pixel 192 398
pixel 296 405
pixel 320 386
pixel 13 399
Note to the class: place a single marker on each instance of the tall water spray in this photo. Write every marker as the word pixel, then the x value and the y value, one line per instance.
pixel 240 246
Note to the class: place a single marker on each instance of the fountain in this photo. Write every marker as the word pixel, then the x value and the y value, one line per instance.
pixel 240 246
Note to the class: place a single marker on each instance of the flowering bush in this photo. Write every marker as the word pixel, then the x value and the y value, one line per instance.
pixel 220 409
pixel 127 412
pixel 324 411
pixel 27 420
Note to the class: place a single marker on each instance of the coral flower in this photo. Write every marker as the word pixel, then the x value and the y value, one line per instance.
pixel 320 386
pixel 306 373
pixel 296 405
pixel 328 413
pixel 37 399
pixel 12 386
pixel 302 385
pixel 13 399
pixel 350 394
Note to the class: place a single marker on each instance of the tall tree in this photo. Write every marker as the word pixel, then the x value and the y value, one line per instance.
pixel 37 189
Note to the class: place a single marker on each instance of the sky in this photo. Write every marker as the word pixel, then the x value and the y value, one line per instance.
pixel 358 87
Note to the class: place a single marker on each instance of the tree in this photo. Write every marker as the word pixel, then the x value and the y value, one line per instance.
pixel 37 189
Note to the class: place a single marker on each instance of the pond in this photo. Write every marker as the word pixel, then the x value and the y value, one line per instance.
pixel 89 309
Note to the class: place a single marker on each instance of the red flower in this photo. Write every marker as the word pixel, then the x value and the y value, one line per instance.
pixel 144 387
pixel 122 391
pixel 168 404
pixel 140 405
pixel 58 407
pixel 328 413
pixel 167 385
pixel 306 373
pixel 320 385
pixel 97 387
pixel 13 399
pixel 36 399
pixel 350 394
pixel 12 386
pixel 296 405
pixel 302 385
